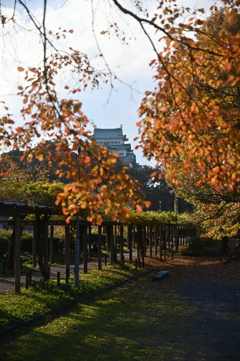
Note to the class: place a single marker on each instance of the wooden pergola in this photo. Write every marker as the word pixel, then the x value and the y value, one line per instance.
pixel 19 211
pixel 142 237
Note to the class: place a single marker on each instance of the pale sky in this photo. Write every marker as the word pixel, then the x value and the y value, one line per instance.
pixel 104 107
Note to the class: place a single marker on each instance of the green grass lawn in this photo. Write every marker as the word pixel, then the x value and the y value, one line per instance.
pixel 43 296
pixel 132 322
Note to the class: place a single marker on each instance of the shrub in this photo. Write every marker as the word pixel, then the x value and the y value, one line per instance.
pixel 26 242
pixel 5 237
pixel 196 244
pixel 94 238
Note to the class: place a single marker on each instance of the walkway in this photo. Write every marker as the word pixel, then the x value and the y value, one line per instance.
pixel 7 283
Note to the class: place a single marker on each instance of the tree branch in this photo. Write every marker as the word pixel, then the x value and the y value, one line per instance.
pixel 141 20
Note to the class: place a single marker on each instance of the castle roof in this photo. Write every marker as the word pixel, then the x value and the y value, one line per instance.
pixel 126 146
pixel 130 158
pixel 109 133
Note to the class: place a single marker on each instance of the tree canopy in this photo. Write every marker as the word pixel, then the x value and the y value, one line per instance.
pixel 77 155
pixel 190 121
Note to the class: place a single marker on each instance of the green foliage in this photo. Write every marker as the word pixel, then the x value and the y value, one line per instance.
pixel 26 242
pixel 94 238
pixel 65 290
pixel 196 244
pixel 5 236
pixel 20 186
pixel 43 296
pixel 155 218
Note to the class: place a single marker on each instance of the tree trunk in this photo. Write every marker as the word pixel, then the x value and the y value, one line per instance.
pixel 225 247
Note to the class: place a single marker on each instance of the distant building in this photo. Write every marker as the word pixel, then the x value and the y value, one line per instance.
pixel 115 140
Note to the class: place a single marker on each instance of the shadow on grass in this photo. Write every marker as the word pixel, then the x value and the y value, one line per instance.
pixel 116 326
pixel 144 320
pixel 45 296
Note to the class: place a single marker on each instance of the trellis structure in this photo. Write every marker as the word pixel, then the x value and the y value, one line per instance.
pixel 18 211
pixel 151 240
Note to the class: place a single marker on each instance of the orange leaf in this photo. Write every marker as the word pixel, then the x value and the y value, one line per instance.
pixel 138 208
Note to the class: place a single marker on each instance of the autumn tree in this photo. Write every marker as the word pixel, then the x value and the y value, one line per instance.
pixel 77 156
pixel 27 184
pixel 190 122
pixel 179 117
pixel 20 178
pixel 33 169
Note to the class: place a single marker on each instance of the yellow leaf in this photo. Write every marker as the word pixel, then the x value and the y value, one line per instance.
pixel 216 169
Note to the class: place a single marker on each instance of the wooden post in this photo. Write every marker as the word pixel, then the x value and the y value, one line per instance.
pixel 130 242
pixel 89 239
pixel 115 236
pixel 67 249
pixel 34 246
pixel 138 241
pixel 85 249
pixel 45 241
pixel 27 280
pixel 111 243
pixel 58 279
pixel 51 243
pixel 134 237
pixel 172 226
pixel 141 243
pixel 17 250
pixel 113 248
pixel 107 238
pixel 176 237
pixel 150 241
pixel 121 244
pixel 99 249
pixel 144 243
pixel 156 239
pixel 30 277
pixel 180 235
pixel 183 235
pixel 168 238
pixel 139 262
pixel 161 242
